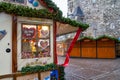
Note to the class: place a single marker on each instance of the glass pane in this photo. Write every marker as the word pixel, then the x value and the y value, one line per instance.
pixel 26 45
pixel 29 48
pixel 44 48
pixel 43 31
pixel 28 31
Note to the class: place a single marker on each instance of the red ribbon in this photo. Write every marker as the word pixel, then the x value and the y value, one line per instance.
pixel 70 48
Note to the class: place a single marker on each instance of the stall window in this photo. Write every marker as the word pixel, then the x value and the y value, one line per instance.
pixel 35 41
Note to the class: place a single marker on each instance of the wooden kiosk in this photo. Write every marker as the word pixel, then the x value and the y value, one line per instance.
pixel 101 47
pixel 28 30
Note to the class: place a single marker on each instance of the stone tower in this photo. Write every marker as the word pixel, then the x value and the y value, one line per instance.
pixel 103 16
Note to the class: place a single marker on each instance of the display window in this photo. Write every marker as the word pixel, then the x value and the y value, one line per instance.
pixel 35 41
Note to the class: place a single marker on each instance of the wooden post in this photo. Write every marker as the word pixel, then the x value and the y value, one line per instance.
pixel 54 44
pixel 14 43
pixel 39 75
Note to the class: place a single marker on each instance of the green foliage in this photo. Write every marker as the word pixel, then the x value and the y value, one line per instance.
pixel 99 37
pixel 51 4
pixel 74 23
pixel 62 73
pixel 33 69
pixel 118 40
pixel 26 11
pixel 105 36
pixel 87 37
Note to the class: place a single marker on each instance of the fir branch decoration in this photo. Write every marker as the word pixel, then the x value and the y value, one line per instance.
pixel 99 37
pixel 51 4
pixel 87 37
pixel 118 41
pixel 105 36
pixel 62 73
pixel 34 69
pixel 26 11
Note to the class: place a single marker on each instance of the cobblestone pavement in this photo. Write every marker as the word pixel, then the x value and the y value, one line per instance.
pixel 92 69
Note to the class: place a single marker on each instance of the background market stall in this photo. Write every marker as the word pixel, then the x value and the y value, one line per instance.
pixel 101 47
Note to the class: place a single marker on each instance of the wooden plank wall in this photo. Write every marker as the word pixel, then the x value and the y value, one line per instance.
pixel 106 49
pixel 94 49
pixel 88 49
pixel 76 50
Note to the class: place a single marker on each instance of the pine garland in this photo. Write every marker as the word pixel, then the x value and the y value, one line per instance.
pixel 105 36
pixel 99 37
pixel 87 37
pixel 37 68
pixel 26 11
pixel 62 73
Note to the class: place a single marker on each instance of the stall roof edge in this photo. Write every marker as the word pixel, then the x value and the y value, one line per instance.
pixel 25 11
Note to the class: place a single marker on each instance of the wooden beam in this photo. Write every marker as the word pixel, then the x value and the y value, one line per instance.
pixel 54 44
pixel 14 43
pixel 6 76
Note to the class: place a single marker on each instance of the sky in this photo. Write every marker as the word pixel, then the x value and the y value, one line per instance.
pixel 62 4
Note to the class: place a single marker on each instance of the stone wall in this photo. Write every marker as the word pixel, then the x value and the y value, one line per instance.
pixel 103 16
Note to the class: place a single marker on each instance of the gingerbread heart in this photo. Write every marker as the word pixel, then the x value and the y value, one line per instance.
pixel 44 32
pixel 28 32
pixel 44 44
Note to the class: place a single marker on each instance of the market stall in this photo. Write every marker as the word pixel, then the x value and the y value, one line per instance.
pixel 28 31
pixel 100 47
pixel 60 48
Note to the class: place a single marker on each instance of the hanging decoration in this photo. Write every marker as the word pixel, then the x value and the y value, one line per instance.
pixel 2 34
pixel 43 31
pixel 34 3
pixel 43 43
pixel 28 32
pixel 30 1
pixel 70 48
pixel 43 3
